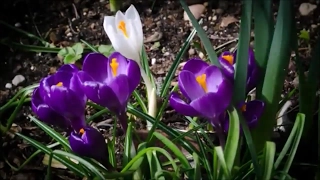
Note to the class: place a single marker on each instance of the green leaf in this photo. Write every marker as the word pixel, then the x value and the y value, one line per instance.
pixel 67 162
pixel 304 34
pixel 301 120
pixel 69 59
pixel 197 168
pixel 205 161
pixel 105 49
pixel 268 160
pixel 154 164
pixel 202 35
pixel 89 45
pixel 232 144
pixel 242 53
pixel 78 48
pixel 63 52
pixel 223 165
pixel 279 57
pixel 52 133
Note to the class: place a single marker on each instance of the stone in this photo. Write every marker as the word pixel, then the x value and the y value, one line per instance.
pixel 306 8
pixel 196 10
pixel 18 79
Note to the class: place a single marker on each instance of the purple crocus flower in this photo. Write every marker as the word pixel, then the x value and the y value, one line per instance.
pixel 207 90
pixel 109 82
pixel 251 112
pixel 59 100
pixel 228 60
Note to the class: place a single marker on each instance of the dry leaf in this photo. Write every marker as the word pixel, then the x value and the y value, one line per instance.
pixel 227 20
pixel 55 163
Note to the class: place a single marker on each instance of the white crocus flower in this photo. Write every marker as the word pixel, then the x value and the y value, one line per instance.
pixel 125 33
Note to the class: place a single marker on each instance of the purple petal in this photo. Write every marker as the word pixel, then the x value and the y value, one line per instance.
pixel 196 66
pixel 89 86
pixel 88 143
pixel 252 80
pixel 253 112
pixel 188 85
pixel 66 102
pixel 134 75
pixel 45 113
pixel 96 65
pixel 211 105
pixel 227 68
pixel 217 83
pixel 120 64
pixel 69 68
pixel 120 87
pixel 61 77
pixel 181 107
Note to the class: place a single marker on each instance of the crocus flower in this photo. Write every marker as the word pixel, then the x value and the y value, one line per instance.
pixel 228 60
pixel 125 33
pixel 59 100
pixel 109 82
pixel 207 90
pixel 251 112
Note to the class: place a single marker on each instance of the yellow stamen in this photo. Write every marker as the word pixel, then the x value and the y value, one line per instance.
pixel 114 66
pixel 228 58
pixel 59 84
pixel 81 131
pixel 202 81
pixel 122 27
pixel 244 108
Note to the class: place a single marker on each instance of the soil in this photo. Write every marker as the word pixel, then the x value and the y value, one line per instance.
pixel 63 23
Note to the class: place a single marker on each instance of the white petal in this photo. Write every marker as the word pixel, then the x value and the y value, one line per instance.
pixel 109 28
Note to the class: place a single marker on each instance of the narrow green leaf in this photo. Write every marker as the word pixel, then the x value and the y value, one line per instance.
pixel 175 150
pixel 268 160
pixel 232 144
pixel 223 165
pixel 301 119
pixel 197 168
pixel 202 35
pixel 263 31
pixel 279 57
pixel 154 164
pixel 52 133
pixel 67 162
pixel 128 145
pixel 89 45
pixel 242 53
pixel 205 161
pixel 93 169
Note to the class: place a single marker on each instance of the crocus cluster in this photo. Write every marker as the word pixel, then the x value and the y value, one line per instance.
pixel 61 98
pixel 208 91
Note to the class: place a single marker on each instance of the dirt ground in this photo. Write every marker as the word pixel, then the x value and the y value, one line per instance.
pixel 63 22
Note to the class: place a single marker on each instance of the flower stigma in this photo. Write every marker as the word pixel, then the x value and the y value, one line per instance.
pixel 228 58
pixel 122 27
pixel 59 84
pixel 114 66
pixel 244 108
pixel 201 79
pixel 81 131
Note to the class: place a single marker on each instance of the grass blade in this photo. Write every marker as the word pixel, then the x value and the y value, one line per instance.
pixel 202 35
pixel 203 154
pixel 223 165
pixel 279 57
pixel 268 160
pixel 242 53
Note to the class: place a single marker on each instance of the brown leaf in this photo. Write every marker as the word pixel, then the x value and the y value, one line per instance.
pixel 228 20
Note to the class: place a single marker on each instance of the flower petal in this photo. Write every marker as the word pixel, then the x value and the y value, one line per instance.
pixel 66 102
pixel 109 99
pixel 45 113
pixel 227 68
pixel 135 25
pixel 217 83
pixel 132 14
pixel 181 107
pixel 89 86
pixel 120 87
pixel 69 68
pixel 89 144
pixel 189 86
pixel 254 110
pixel 96 65
pixel 210 105
pixel 196 66
pixel 134 75
pixel 122 64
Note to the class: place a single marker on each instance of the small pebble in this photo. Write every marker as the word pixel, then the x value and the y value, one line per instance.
pixel 166 54
pixel 153 61
pixel 306 8
pixel 201 55
pixel 8 85
pixel 196 10
pixel 18 79
pixel 69 34
pixel 191 51
pixel 17 24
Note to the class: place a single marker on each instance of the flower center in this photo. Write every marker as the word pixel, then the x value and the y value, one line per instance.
pixel 244 108
pixel 123 29
pixel 59 84
pixel 81 131
pixel 228 58
pixel 114 66
pixel 201 79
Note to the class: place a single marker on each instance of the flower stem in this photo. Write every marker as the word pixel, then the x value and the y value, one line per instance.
pixel 152 97
pixel 221 136
pixel 123 120
pixel 115 5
